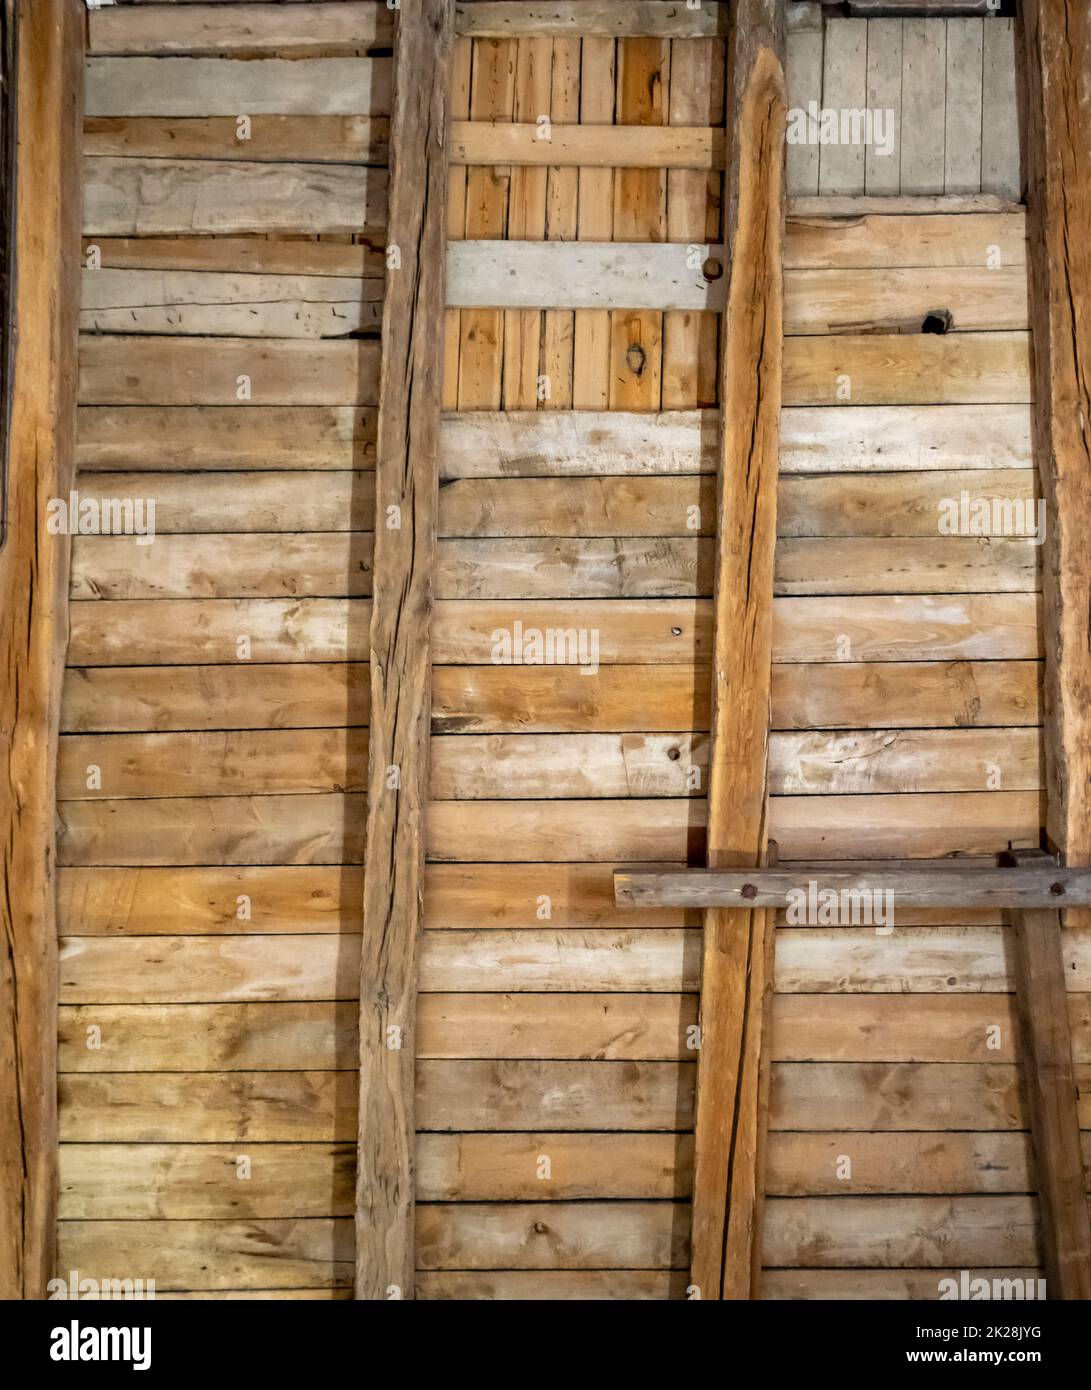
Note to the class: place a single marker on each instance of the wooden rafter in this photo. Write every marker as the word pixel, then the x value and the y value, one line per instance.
pixel 737 948
pixel 34 628
pixel 406 486
pixel 1057 69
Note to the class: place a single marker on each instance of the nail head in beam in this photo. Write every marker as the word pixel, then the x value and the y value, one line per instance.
pixel 1016 888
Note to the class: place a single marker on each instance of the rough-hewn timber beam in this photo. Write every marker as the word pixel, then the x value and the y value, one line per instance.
pixel 736 974
pixel 942 886
pixel 34 627
pixel 406 486
pixel 1057 126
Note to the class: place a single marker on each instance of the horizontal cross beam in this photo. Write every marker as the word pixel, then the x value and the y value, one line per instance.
pixel 936 884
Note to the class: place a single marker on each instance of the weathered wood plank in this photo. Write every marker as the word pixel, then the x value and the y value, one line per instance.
pixel 534 1285
pixel 665 19
pixel 247 306
pixel 294 139
pixel 924 66
pixel 169 438
pixel 157 197
pixel 898 241
pixel 182 371
pixel 219 28
pixel 43 82
pixel 882 165
pixel 166 86
pixel 1000 144
pixel 962 131
pixel 406 487
pixel 587 147
pixel 253 254
pixel 844 88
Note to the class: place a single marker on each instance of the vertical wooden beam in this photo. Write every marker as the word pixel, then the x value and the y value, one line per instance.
pixel 406 486
pixel 1057 127
pixel 34 626
pixel 738 945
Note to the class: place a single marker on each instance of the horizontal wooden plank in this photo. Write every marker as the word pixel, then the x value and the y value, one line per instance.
pixel 326 829
pixel 664 19
pixel 161 698
pixel 147 901
pixel 242 565
pixel 170 86
pixel 508 1167
pixel 579 1235
pixel 871 242
pixel 183 302
pixel 829 439
pixel 280 1254
pixel 894 300
pixel 580 1285
pixel 208 1107
pixel 285 1036
pixel 251 28
pixel 875 1096
pixel 648 960
pixel 183 371
pixel 808 1165
pixel 947 627
pixel 592 147
pixel 877 1285
pixel 197 503
pixel 158 197
pixel 297 139
pixel 891 1231
pixel 180 1182
pixel 170 438
pixel 531 1095
pixel 222 566
pixel 900 204
pixel 555 699
pixel 506 767
pixel 250 254
pixel 584 275
pixel 950 1027
pixel 907 369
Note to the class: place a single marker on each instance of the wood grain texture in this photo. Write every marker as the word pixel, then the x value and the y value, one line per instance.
pixel 33 624
pixel 251 28
pixel 406 485
pixel 736 975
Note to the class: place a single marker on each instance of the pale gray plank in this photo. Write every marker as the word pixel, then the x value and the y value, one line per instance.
pixel 804 74
pixel 844 88
pixel 999 111
pixel 882 172
pixel 924 77
pixel 962 145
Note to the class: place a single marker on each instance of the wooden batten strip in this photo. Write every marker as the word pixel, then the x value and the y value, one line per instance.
pixel 406 488
pixel 663 19
pixel 736 980
pixel 1057 70
pixel 46 75
pixel 582 275
pixel 588 147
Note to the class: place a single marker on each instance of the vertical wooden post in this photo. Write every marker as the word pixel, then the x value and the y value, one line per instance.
pixel 738 945
pixel 1057 129
pixel 406 487
pixel 34 626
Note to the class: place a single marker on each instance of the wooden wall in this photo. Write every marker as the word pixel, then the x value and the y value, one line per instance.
pixel 211 895
pixel 556 1064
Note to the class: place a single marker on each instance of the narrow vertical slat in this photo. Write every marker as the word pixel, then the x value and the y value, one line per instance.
pixel 461 58
pixel 1000 171
pixel 406 489
pixel 562 203
pixel 962 139
pixel 924 79
pixel 844 88
pixel 591 352
pixel 882 165
pixel 804 68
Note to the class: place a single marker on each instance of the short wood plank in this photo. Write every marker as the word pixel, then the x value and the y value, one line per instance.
pixel 844 88
pixel 253 28
pixel 924 64
pixel 680 146
pixel 663 19
pixel 804 71
pixel 406 482
pixel 882 164
pixel 1000 153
